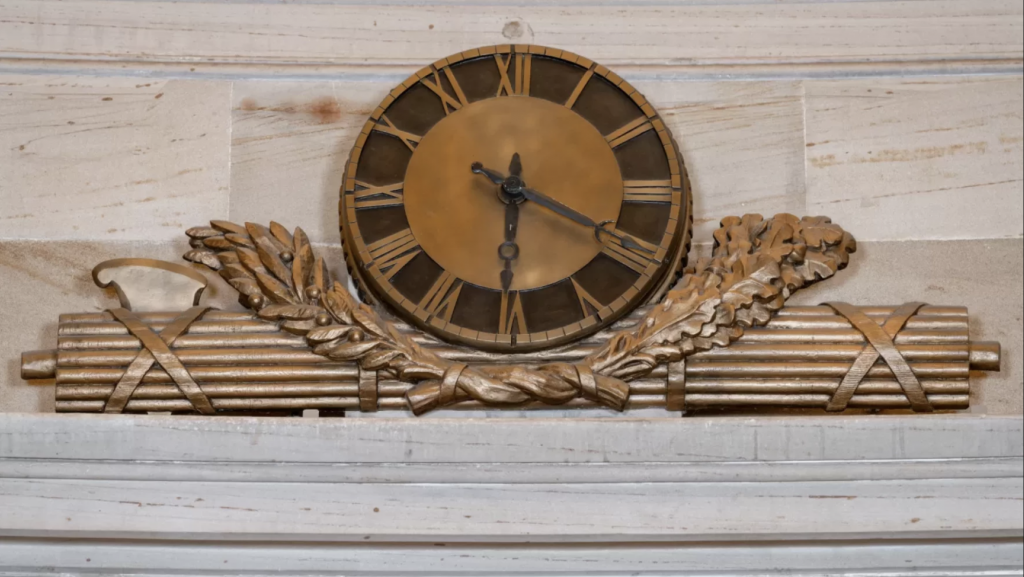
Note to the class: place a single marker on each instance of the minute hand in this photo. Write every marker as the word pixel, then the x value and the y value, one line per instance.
pixel 578 217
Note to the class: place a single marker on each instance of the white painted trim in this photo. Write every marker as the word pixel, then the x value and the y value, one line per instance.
pixel 874 495
pixel 976 558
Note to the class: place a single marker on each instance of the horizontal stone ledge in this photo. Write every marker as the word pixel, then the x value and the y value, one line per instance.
pixel 525 440
pixel 612 32
pixel 513 473
pixel 396 73
pixel 960 558
pixel 504 513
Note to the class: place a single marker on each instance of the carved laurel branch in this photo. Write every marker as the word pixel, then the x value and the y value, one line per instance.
pixel 755 266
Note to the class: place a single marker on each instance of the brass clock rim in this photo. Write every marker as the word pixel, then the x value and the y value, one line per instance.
pixel 667 276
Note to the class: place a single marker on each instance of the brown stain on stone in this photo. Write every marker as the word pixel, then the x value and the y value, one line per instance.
pixel 823 161
pixel 325 110
pixel 923 153
pixel 903 155
pixel 846 497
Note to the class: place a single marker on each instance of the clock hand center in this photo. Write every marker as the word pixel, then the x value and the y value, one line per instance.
pixel 514 191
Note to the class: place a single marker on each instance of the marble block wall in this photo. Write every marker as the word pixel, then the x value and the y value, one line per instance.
pixel 122 123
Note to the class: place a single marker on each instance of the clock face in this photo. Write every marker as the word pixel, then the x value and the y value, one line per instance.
pixel 514 198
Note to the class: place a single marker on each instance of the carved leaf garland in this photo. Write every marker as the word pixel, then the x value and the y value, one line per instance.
pixel 755 266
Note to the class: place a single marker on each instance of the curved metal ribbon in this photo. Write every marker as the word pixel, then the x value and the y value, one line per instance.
pixel 155 349
pixel 446 393
pixel 880 344
pixel 588 384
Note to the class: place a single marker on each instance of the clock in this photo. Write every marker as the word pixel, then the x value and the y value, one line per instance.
pixel 514 198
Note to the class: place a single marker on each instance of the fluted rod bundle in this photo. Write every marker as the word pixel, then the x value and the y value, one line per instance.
pixel 242 363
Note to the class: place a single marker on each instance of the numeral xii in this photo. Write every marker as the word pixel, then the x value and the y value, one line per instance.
pixel 524 64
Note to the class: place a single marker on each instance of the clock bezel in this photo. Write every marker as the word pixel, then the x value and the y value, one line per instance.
pixel 649 286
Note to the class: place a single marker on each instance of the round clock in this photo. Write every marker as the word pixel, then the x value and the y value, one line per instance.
pixel 513 198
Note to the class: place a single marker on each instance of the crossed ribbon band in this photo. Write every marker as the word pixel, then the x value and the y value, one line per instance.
pixel 156 348
pixel 880 344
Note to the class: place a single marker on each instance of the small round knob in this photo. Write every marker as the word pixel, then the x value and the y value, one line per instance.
pixel 257 301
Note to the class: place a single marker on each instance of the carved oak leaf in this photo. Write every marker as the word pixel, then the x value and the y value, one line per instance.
pixel 819 230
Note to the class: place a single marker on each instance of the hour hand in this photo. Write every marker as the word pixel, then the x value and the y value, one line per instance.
pixel 496 177
pixel 515 168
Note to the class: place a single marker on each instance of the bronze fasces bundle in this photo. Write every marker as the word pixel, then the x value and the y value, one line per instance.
pixel 244 363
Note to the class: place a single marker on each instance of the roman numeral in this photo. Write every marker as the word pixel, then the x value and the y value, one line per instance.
pixel 386 126
pixel 579 88
pixel 524 62
pixel 647 191
pixel 391 192
pixel 441 298
pixel 522 84
pixel 505 85
pixel 586 299
pixel 513 318
pixel 629 132
pixel 637 261
pixel 447 102
pixel 392 253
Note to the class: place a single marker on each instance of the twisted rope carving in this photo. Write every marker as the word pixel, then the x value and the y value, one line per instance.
pixel 755 266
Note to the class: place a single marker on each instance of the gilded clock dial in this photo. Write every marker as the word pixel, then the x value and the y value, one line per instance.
pixel 513 198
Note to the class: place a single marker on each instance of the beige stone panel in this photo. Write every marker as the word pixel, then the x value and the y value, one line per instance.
pixel 111 158
pixel 289 145
pixel 617 31
pixel 927 158
pixel 742 143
